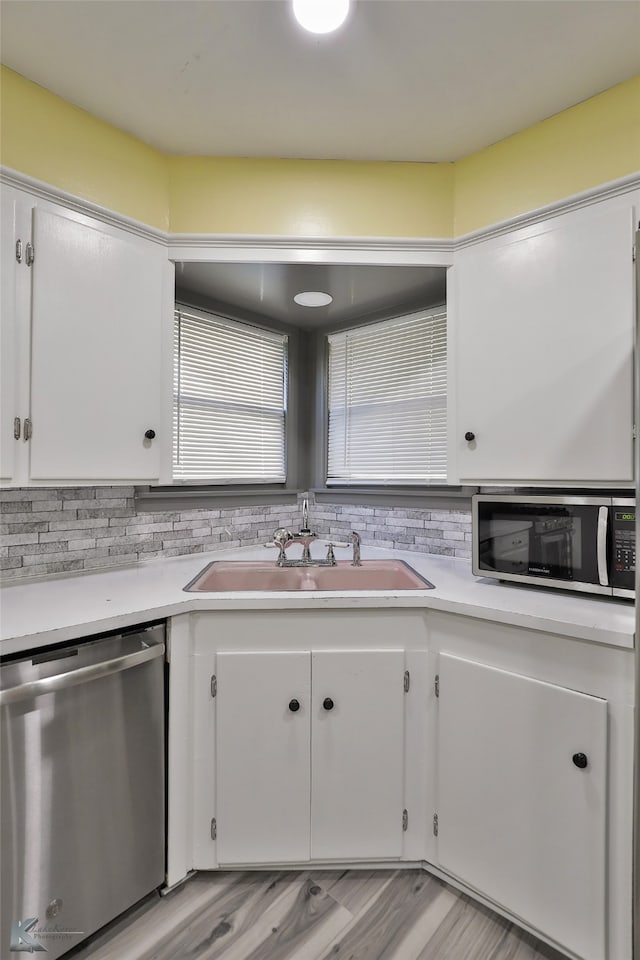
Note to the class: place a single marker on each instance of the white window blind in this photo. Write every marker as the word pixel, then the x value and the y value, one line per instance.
pixel 229 401
pixel 388 402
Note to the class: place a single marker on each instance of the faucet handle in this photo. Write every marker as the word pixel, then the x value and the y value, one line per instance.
pixel 281 539
pixel 355 540
pixel 282 535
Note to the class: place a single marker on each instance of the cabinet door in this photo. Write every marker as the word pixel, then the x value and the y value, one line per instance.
pixel 14 278
pixel 95 351
pixel 518 820
pixel 357 754
pixel 262 751
pixel 543 352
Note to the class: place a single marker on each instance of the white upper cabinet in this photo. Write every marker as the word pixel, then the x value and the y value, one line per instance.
pixel 10 413
pixel 542 328
pixel 15 280
pixel 85 333
pixel 95 352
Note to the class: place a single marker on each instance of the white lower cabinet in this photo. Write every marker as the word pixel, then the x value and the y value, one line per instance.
pixel 510 750
pixel 357 766
pixel 262 722
pixel 522 786
pixel 309 755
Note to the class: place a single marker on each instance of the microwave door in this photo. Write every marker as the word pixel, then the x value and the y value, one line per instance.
pixel 543 540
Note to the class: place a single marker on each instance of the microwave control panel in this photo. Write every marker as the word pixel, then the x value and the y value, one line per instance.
pixel 624 547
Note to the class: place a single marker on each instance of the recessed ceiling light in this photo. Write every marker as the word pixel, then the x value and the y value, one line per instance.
pixel 313 298
pixel 320 16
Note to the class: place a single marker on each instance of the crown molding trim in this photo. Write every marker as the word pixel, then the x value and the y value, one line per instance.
pixel 241 247
pixel 38 188
pixel 576 201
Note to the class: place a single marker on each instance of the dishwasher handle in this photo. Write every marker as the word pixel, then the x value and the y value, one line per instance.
pixel 37 688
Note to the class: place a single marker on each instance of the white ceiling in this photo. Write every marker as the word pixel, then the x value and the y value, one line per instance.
pixel 424 80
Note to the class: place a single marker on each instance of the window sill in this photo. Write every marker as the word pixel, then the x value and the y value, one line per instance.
pixel 435 496
pixel 160 499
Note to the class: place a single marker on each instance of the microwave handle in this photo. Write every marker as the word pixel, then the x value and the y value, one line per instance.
pixel 603 526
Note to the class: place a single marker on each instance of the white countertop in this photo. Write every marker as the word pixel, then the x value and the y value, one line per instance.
pixel 40 613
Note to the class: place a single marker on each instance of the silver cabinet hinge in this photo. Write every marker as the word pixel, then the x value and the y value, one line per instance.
pixel 27 431
pixel 634 432
pixel 30 254
pixel 436 685
pixel 405 820
pixel 633 253
pixel 214 685
pixel 435 824
pixel 214 828
pixel 407 681
pixel 16 428
pixel 19 251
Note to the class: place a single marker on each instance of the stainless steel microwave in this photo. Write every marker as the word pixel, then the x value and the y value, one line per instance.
pixel 572 543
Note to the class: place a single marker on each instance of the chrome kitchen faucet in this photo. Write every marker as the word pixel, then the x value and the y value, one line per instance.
pixel 283 538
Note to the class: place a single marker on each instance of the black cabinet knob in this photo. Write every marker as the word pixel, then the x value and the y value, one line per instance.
pixel 580 760
pixel 327 703
pixel 150 434
pixel 469 436
pixel 294 706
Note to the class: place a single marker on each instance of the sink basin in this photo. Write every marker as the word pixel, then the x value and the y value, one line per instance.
pixel 232 575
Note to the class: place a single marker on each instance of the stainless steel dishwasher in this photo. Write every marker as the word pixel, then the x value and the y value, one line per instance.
pixel 81 787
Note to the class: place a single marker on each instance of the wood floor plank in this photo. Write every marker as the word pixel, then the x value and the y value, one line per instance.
pixel 471 930
pixel 418 933
pixel 354 889
pixel 221 929
pixel 378 931
pixel 301 924
pixel 132 935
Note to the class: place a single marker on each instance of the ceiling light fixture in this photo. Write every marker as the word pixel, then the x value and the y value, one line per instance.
pixel 313 298
pixel 320 16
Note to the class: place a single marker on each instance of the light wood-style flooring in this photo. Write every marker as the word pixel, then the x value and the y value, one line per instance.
pixel 313 915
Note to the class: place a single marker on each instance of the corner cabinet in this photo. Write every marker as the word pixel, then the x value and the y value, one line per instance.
pixel 81 323
pixel 522 783
pixel 542 341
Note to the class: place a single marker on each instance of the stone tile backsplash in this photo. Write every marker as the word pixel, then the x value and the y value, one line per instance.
pixel 425 530
pixel 70 529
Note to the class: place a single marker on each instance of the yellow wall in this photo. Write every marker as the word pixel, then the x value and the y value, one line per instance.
pixel 592 143
pixel 311 198
pixel 48 138
pixel 589 144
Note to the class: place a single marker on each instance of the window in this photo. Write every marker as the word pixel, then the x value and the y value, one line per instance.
pixel 387 402
pixel 230 390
